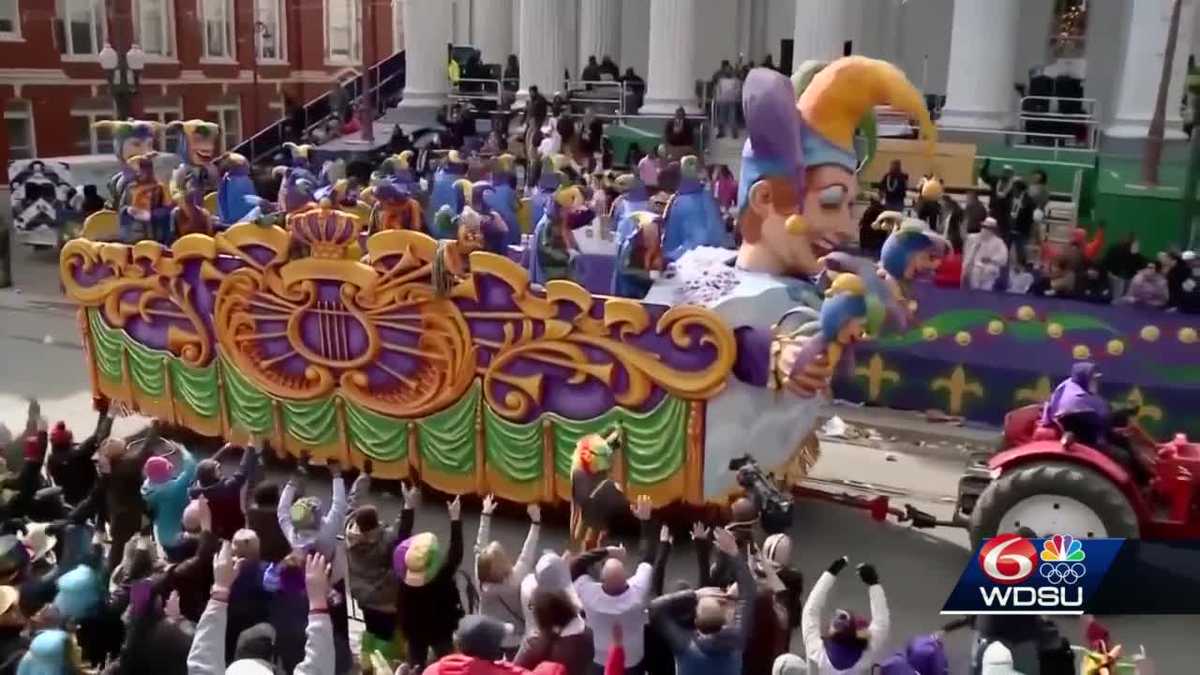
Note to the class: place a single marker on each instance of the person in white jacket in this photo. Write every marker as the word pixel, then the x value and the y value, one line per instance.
pixel 850 648
pixel 207 654
pixel 998 660
pixel 498 578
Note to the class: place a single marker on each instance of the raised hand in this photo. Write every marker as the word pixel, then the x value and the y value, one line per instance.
pixel 454 508
pixel 838 565
pixel 642 508
pixel 412 495
pixel 224 569
pixel 489 504
pixel 726 543
pixel 699 531
pixel 316 581
pixel 535 512
pixel 868 574
pixel 664 535
pixel 171 609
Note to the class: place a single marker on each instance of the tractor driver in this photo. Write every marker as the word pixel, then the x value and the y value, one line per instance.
pixel 1079 411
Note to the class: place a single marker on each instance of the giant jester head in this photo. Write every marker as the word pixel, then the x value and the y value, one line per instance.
pixel 131 138
pixel 198 141
pixel 800 165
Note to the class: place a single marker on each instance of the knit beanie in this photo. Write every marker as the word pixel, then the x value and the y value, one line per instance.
pixel 481 637
pixel 157 470
pixel 417 559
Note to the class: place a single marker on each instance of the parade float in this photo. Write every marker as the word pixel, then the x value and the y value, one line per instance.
pixel 439 359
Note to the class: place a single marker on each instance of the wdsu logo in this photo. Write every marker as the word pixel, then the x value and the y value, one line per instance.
pixel 1011 560
pixel 1011 574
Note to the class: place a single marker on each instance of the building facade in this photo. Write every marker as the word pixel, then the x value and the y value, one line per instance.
pixel 203 58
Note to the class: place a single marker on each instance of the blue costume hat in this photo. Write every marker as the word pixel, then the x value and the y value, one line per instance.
pixel 909 239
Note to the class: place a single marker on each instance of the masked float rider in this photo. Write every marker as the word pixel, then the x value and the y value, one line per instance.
pixel 236 195
pixel 131 138
pixel 692 218
pixel 639 256
pixel 503 198
pixel 299 156
pixel 798 183
pixel 395 207
pixel 495 230
pixel 296 193
pixel 198 147
pixel 632 197
pixel 443 192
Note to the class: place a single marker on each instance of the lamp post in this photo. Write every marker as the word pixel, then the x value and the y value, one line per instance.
pixel 124 73
pixel 261 34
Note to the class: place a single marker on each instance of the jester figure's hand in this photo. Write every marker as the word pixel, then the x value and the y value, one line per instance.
pixel 805 380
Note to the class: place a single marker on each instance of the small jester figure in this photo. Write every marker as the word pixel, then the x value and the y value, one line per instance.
pixel 189 215
pixel 145 210
pixel 639 257
pixel 452 261
pixel 396 208
pixel 495 229
pixel 692 218
pixel 632 197
pixel 443 192
pixel 550 180
pixel 848 314
pixel 198 148
pixel 554 244
pixel 798 183
pixel 131 138
pixel 397 168
pixel 299 156
pixel 596 499
pixel 503 198
pixel 233 189
pixel 296 193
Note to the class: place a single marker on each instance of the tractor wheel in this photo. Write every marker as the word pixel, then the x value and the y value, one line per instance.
pixel 1053 498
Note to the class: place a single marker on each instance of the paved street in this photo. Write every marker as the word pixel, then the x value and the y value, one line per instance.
pixel 42 357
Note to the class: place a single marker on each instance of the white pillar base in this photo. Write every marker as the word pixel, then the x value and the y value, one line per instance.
pixel 668 106
pixel 422 99
pixel 975 119
pixel 1140 128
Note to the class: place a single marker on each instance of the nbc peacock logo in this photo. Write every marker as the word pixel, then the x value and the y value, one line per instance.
pixel 1062 559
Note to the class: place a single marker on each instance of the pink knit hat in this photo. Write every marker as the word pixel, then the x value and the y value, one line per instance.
pixel 157 469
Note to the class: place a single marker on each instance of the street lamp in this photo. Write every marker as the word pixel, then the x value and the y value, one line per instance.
pixel 262 33
pixel 124 74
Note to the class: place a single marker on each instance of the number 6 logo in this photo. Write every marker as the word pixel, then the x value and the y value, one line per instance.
pixel 1008 559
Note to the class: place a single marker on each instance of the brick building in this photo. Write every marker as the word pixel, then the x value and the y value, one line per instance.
pixel 201 58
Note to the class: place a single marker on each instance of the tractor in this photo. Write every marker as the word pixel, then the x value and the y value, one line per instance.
pixel 1047 482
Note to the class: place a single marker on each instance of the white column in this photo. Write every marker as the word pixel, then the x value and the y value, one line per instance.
pixel 427 28
pixel 1141 69
pixel 599 30
pixel 490 27
pixel 983 52
pixel 671 78
pixel 542 46
pixel 820 29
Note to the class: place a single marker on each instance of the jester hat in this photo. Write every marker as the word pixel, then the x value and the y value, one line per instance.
pixel 787 136
pixel 912 237
pixel 299 155
pixel 123 130
pixel 455 163
pixel 191 132
pixel 846 299
pixel 396 167
pixel 297 187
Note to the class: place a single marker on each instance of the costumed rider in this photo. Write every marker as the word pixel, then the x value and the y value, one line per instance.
pixel 299 156
pixel 554 245
pixel 131 138
pixel 596 499
pixel 395 207
pixel 396 168
pixel 798 183
pixel 236 195
pixel 692 218
pixel 189 215
pixel 1085 417
pixel 296 193
pixel 550 179
pixel 198 147
pixel 502 198
pixel 639 257
pixel 633 197
pixel 443 192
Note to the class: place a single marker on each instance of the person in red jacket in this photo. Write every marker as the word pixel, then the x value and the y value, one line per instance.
pixel 949 272
pixel 479 641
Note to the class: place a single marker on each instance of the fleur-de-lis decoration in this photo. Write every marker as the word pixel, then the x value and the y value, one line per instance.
pixel 1038 393
pixel 877 374
pixel 958 387
pixel 1136 399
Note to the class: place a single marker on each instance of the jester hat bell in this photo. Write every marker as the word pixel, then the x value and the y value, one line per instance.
pixel 786 136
